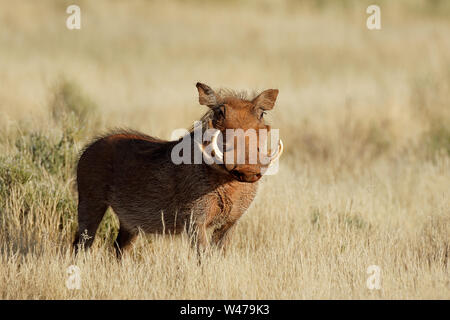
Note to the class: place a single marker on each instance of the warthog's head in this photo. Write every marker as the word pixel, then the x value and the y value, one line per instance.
pixel 240 138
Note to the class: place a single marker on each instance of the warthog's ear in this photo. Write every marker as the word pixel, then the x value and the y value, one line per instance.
pixel 266 99
pixel 206 95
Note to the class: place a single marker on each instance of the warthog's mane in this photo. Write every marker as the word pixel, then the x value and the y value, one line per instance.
pixel 129 133
pixel 222 95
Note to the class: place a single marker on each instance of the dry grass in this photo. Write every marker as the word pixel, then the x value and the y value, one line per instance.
pixel 365 116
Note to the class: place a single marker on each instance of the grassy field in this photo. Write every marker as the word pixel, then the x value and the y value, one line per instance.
pixel 364 115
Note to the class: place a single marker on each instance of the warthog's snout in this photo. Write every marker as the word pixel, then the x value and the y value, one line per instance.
pixel 245 177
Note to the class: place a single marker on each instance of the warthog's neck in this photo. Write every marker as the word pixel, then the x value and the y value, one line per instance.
pixel 220 194
pixel 208 178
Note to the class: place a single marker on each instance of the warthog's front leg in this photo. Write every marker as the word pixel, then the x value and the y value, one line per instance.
pixel 198 237
pixel 221 236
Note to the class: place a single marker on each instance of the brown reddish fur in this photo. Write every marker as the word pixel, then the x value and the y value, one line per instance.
pixel 133 174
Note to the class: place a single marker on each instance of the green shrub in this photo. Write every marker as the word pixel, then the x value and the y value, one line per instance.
pixel 44 153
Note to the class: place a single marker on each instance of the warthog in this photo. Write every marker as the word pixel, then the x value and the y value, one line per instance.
pixel 135 175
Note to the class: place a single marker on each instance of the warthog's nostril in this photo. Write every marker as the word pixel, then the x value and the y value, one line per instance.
pixel 243 177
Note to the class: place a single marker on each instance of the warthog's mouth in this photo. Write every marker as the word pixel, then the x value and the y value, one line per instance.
pixel 242 173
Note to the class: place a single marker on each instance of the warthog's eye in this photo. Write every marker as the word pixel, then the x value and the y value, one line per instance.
pixel 220 111
pixel 261 115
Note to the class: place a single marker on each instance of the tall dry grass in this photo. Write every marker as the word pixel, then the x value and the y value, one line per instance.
pixel 365 117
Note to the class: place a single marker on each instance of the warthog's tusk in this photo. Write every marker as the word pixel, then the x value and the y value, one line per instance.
pixel 274 157
pixel 218 154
